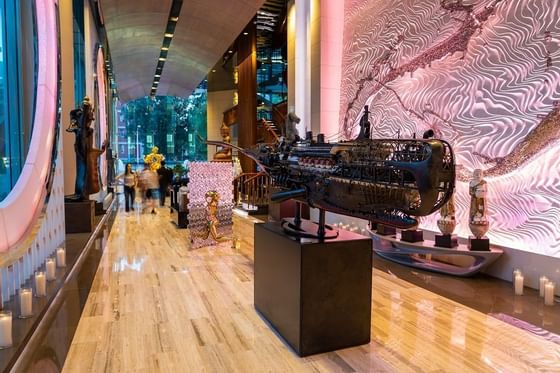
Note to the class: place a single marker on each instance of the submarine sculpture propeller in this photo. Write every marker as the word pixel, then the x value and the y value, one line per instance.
pixel 385 181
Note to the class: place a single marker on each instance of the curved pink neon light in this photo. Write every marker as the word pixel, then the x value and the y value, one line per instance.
pixel 20 210
pixel 102 120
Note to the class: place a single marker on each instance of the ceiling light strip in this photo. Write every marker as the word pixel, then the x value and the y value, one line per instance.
pixel 167 38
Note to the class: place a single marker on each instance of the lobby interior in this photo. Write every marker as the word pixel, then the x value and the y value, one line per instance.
pixel 319 208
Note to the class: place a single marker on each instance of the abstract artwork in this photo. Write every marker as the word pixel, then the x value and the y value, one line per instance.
pixel 483 75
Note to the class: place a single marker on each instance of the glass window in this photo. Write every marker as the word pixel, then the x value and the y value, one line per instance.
pixel 18 79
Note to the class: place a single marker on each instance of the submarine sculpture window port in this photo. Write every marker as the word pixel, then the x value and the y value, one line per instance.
pixel 385 181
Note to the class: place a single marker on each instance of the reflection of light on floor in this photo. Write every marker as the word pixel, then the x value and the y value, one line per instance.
pixel 122 264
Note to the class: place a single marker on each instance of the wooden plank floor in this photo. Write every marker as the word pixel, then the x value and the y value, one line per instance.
pixel 158 306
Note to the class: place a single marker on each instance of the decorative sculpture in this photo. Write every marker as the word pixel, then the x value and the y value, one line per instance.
pixel 371 179
pixel 224 154
pixel 154 159
pixel 212 222
pixel 446 224
pixel 292 133
pixel 87 174
pixel 478 220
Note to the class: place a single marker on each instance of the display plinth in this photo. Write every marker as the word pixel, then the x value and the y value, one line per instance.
pixel 181 218
pixel 385 230
pixel 412 236
pixel 446 240
pixel 479 244
pixel 315 294
pixel 80 216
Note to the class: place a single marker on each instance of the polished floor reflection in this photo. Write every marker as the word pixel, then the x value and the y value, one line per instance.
pixel 159 306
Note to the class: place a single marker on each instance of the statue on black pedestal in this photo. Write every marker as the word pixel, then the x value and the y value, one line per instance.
pixel 87 175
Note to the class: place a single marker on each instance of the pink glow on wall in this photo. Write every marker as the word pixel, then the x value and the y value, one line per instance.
pixel 485 77
pixel 101 112
pixel 332 26
pixel 20 209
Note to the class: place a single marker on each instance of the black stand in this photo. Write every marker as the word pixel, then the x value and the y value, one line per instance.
pixel 446 240
pixel 315 293
pixel 304 228
pixel 386 230
pixel 412 236
pixel 479 244
pixel 80 216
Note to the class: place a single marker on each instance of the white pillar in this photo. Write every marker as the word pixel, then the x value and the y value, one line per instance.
pixel 302 66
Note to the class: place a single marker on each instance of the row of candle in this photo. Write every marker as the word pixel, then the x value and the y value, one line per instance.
pixel 26 296
pixel 546 287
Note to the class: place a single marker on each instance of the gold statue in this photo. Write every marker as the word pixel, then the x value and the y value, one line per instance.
pixel 154 159
pixel 478 217
pixel 446 222
pixel 212 200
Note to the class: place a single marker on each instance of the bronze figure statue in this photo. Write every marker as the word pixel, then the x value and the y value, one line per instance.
pixel 87 174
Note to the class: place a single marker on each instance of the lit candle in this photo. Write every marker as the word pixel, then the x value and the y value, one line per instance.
pixel 61 257
pixel 51 269
pixel 5 329
pixel 549 293
pixel 40 284
pixel 518 284
pixel 542 282
pixel 25 303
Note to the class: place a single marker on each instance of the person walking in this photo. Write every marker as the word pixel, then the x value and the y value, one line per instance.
pixel 150 183
pixel 130 180
pixel 165 179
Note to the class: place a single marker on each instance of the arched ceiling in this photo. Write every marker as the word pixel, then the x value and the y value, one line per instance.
pixel 135 31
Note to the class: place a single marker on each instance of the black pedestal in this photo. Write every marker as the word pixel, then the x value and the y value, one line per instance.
pixel 412 236
pixel 385 230
pixel 317 295
pixel 446 240
pixel 181 218
pixel 80 216
pixel 479 244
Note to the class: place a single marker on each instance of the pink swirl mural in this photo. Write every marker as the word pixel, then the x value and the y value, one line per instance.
pixel 484 75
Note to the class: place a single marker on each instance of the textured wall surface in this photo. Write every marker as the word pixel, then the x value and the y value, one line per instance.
pixel 484 75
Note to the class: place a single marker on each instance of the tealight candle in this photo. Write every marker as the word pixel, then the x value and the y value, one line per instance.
pixel 5 329
pixel 51 269
pixel 61 257
pixel 543 280
pixel 25 303
pixel 549 293
pixel 40 284
pixel 518 284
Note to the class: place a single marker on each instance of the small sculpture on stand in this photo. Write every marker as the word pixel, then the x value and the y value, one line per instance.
pixel 154 159
pixel 212 222
pixel 412 234
pixel 478 217
pixel 87 174
pixel 224 154
pixel 446 224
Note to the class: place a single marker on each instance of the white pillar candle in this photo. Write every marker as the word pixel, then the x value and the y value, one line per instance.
pixel 543 280
pixel 51 269
pixel 5 329
pixel 549 293
pixel 518 284
pixel 61 257
pixel 516 272
pixel 25 302
pixel 40 284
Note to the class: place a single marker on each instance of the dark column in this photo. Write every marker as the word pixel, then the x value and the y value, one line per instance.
pixel 247 92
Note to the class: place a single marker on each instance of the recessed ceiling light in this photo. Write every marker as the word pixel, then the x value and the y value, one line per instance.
pixel 174 19
pixel 230 51
pixel 213 70
pixel 245 33
pixel 164 48
pixel 168 35
pixel 162 58
pixel 157 75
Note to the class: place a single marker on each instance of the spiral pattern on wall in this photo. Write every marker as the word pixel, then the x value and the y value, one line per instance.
pixel 484 75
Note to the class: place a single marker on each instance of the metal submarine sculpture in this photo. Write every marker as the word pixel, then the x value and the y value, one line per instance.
pixel 385 181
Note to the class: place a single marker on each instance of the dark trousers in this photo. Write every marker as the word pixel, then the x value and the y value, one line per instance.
pixel 162 193
pixel 129 195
